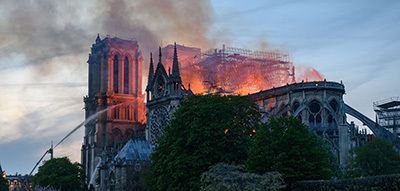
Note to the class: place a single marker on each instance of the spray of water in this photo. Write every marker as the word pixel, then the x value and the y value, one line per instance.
pixel 90 118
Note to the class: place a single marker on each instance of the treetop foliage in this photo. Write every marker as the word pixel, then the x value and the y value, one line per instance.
pixel 59 173
pixel 377 157
pixel 287 146
pixel 204 130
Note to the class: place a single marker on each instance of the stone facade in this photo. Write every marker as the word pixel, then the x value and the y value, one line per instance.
pixel 115 99
pixel 164 94
pixel 320 106
pixel 124 173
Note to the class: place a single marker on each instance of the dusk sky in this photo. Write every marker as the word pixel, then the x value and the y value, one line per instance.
pixel 44 46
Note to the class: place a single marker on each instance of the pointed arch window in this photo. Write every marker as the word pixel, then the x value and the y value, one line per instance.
pixel 116 76
pixel 126 76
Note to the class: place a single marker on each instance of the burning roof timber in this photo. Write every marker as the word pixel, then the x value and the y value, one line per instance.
pixel 231 70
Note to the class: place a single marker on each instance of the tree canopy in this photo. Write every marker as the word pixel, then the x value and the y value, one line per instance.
pixel 377 157
pixel 289 147
pixel 59 173
pixel 204 130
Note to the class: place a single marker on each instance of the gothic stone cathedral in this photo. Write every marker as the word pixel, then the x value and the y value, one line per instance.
pixel 117 145
pixel 114 146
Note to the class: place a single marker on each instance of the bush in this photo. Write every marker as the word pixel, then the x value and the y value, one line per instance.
pixel 229 178
pixel 375 183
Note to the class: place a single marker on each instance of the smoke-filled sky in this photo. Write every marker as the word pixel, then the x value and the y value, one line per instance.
pixel 44 47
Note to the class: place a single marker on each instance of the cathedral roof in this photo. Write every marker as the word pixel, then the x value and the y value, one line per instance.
pixel 137 149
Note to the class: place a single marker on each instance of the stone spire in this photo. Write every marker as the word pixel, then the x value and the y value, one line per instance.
pixel 159 55
pixel 160 66
pixel 151 72
pixel 176 76
pixel 98 38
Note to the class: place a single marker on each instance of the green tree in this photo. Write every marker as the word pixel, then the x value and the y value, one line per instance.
pixel 3 183
pixel 377 157
pixel 205 130
pixel 289 147
pixel 60 173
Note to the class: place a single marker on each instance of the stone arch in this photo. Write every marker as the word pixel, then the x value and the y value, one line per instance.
pixel 160 85
pixel 284 110
pixel 330 112
pixel 334 104
pixel 295 105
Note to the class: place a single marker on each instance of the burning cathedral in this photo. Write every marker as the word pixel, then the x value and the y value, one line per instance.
pixel 118 143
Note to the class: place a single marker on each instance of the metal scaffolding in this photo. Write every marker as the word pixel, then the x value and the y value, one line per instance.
pixel 246 71
pixel 388 114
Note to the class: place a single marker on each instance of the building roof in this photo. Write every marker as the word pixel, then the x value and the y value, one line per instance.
pixel 136 149
pixel 390 103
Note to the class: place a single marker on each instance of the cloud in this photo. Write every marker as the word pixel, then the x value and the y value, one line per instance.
pixel 44 46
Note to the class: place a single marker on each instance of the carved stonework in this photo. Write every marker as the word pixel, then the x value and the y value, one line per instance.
pixel 115 91
pixel 159 119
pixel 164 93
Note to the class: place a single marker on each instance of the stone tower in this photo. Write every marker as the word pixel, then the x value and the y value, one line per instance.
pixel 115 80
pixel 164 93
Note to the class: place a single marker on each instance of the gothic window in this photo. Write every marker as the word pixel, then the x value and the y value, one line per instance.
pixel 331 121
pixel 116 113
pixel 334 105
pixel 126 76
pixel 128 113
pixel 318 118
pixel 116 76
pixel 160 85
pixel 315 118
pixel 295 106
pixel 117 136
pixel 311 119
pixel 314 106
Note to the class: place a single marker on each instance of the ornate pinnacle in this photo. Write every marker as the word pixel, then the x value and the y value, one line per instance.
pixel 151 72
pixel 176 76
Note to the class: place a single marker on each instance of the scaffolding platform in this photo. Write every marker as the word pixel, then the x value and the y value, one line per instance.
pixel 388 114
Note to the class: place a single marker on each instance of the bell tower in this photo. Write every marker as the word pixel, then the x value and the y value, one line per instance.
pixel 115 87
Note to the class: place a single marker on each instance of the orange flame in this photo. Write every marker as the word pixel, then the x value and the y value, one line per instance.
pixel 225 73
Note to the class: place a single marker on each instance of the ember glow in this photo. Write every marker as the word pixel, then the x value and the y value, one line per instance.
pixel 236 71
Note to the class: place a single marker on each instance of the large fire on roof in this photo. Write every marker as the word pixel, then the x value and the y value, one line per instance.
pixel 236 71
